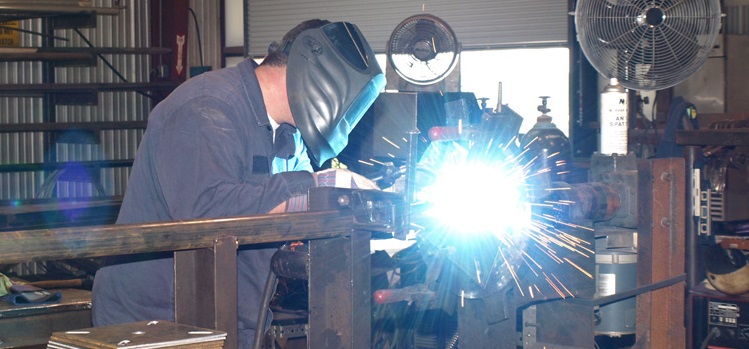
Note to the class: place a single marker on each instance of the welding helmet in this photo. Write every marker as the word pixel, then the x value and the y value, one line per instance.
pixel 332 78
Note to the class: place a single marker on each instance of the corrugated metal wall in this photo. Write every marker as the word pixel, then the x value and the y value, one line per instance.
pixel 21 147
pixel 478 24
pixel 208 13
pixel 737 20
pixel 128 29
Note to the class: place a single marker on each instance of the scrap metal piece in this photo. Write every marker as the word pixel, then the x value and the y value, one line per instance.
pixel 727 270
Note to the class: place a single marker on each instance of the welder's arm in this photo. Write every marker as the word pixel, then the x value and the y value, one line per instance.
pixel 339 178
pixel 201 173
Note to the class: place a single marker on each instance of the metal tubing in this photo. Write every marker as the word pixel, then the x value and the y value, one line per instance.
pixel 411 162
pixel 205 287
pixel 109 240
pixel 340 292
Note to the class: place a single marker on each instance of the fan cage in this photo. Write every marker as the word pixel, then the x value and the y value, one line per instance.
pixel 647 45
pixel 408 57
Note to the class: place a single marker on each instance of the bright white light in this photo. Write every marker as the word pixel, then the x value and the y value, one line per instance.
pixel 478 198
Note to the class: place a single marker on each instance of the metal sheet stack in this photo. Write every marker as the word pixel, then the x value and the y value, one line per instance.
pixel 139 335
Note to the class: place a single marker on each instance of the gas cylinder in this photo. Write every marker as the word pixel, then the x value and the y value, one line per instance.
pixel 547 146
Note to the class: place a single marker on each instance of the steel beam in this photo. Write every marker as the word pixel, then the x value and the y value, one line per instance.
pixel 119 239
pixel 340 292
pixel 205 287
pixel 661 212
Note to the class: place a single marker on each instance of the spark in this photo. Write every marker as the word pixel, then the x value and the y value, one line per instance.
pixel 378 162
pixel 391 142
pixel 512 272
pixel 578 268
pixel 484 189
pixel 555 189
pixel 527 146
pixel 510 142
pixel 562 284
pixel 477 266
pixel 551 282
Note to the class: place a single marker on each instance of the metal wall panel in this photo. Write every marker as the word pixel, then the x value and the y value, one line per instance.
pixel 128 29
pixel 208 13
pixel 477 24
pixel 737 20
pixel 23 147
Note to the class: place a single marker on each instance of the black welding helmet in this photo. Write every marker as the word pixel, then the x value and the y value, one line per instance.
pixel 332 78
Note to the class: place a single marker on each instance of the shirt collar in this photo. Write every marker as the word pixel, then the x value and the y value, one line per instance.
pixel 274 125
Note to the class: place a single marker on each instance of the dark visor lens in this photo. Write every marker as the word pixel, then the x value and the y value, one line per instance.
pixel 345 39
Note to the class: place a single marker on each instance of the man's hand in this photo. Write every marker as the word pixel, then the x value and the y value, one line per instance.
pixel 335 177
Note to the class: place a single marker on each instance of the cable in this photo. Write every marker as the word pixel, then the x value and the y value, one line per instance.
pixel 270 285
pixel 116 72
pixel 262 316
pixel 197 31
pixel 714 333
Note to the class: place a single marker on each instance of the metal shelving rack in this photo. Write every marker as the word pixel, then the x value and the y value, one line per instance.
pixel 57 15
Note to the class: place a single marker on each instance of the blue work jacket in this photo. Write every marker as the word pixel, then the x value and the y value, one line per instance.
pixel 208 152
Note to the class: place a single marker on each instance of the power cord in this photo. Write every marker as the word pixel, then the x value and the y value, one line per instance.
pixel 197 31
pixel 714 333
pixel 101 56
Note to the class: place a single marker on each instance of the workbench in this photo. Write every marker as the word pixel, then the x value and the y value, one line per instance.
pixel 205 253
pixel 30 326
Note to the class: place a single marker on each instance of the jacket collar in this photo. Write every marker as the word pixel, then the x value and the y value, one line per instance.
pixel 253 92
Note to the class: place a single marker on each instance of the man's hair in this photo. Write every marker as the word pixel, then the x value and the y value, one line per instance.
pixel 277 57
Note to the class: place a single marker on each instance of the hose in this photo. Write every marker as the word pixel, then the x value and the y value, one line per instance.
pixel 262 316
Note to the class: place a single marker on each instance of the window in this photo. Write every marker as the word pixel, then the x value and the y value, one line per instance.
pixel 525 74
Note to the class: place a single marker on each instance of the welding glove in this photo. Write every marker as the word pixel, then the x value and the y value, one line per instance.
pixel 27 294
pixel 334 177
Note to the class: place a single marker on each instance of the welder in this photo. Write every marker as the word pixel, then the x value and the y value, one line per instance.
pixel 234 142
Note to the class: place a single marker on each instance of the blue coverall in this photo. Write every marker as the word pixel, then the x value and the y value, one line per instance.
pixel 208 152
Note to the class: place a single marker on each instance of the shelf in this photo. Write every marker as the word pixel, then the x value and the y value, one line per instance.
pixel 39 90
pixel 49 91
pixel 72 126
pixel 11 10
pixel 68 58
pixel 71 56
pixel 49 166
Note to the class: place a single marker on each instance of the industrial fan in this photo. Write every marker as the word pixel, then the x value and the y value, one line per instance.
pixel 423 51
pixel 647 44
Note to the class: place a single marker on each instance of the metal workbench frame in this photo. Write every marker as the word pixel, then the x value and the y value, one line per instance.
pixel 205 265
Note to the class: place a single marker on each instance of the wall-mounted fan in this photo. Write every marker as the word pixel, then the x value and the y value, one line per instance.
pixel 647 44
pixel 422 55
